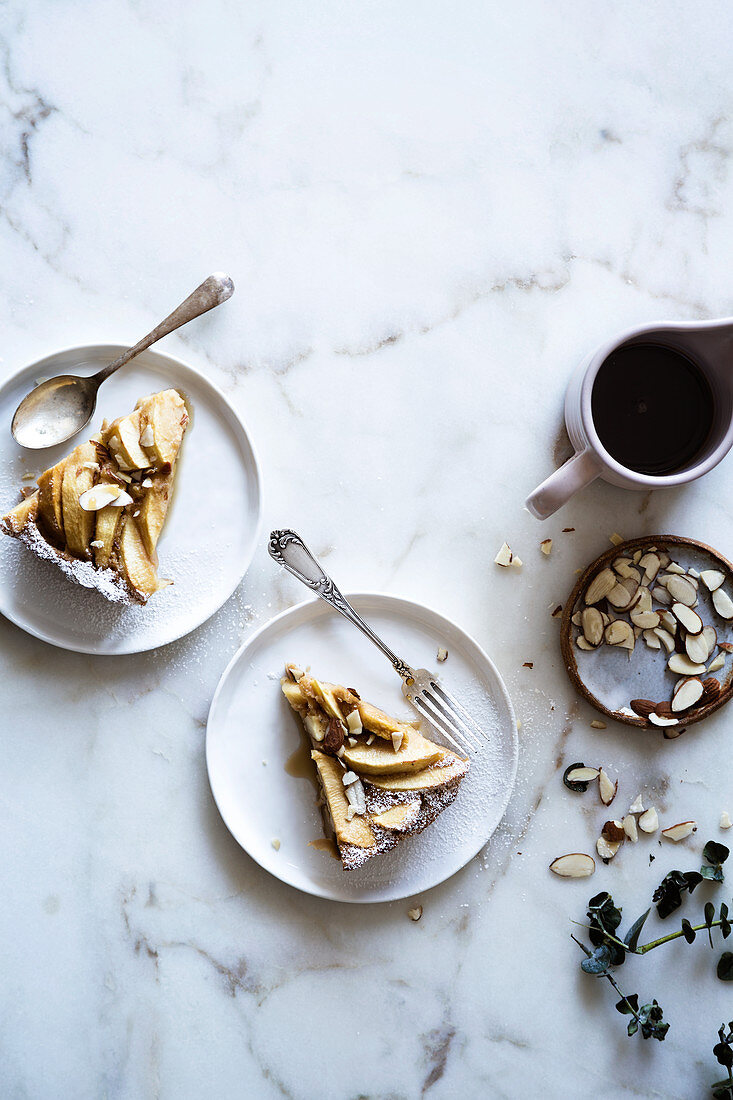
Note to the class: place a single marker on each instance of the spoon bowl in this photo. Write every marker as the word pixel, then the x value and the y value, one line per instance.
pixel 60 407
pixel 55 410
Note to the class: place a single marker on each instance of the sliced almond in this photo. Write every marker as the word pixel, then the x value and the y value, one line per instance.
pixel 353 721
pixel 577 618
pixel 686 694
pixel 689 619
pixel 643 599
pixel 607 848
pixel 725 821
pixel 121 500
pixel 442 654
pixel 637 806
pixel 649 821
pixel 619 633
pixel 673 567
pixel 696 648
pixel 712 579
pixel 650 563
pixel 661 595
pixel 613 831
pixel 711 636
pixel 592 623
pixel 606 789
pixel 652 640
pixel 582 643
pixel 642 707
pixel 658 720
pixel 99 496
pixel 623 568
pixel 600 586
pixel 416 913
pixel 637 556
pixel 716 663
pixel 668 621
pixel 504 557
pixel 620 597
pixel 710 690
pixel 596 724
pixel 573 865
pixel 665 638
pixel 581 774
pixel 645 620
pixel 629 826
pixel 546 546
pixel 683 591
pixel 679 831
pixel 683 666
pixel 723 604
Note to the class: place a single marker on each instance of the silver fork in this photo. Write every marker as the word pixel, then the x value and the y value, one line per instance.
pixel 420 687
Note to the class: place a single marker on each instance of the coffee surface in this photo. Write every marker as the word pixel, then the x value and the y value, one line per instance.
pixel 652 408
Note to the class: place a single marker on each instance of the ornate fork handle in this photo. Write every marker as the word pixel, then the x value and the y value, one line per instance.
pixel 288 549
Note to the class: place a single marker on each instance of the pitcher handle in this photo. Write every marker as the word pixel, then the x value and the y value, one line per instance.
pixel 557 489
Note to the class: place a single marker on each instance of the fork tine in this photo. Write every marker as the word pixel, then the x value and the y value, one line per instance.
pixel 434 716
pixel 460 711
pixel 466 733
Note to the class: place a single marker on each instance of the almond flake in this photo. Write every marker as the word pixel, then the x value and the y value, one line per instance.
pixel 147 439
pixel 97 544
pixel 637 806
pixel 442 655
pixel 716 663
pixel 616 539
pixel 573 865
pixel 712 579
pixel 276 844
pixel 546 546
pixel 348 778
pixel 415 914
pixel 100 496
pixel 723 604
pixel 353 721
pixel 680 831
pixel 686 694
pixel 607 848
pixel 725 821
pixel 397 739
pixel 629 827
pixel 600 586
pixel 504 557
pixel 147 483
pixel 606 788
pixel 596 724
pixel 649 821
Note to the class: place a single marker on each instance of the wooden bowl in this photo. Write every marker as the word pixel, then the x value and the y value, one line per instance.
pixel 608 678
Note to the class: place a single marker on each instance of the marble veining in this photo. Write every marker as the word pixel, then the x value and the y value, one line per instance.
pixel 430 213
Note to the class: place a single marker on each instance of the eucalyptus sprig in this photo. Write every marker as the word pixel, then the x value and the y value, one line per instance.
pixel 609 949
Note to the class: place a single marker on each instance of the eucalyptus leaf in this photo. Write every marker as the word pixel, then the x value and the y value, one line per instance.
pixel 688 931
pixel 715 853
pixel 725 967
pixel 631 939
pixel 627 1006
pixel 598 962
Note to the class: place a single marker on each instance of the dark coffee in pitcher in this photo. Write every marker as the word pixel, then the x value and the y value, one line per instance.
pixel 652 408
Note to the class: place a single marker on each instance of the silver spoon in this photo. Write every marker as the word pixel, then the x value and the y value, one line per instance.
pixel 62 406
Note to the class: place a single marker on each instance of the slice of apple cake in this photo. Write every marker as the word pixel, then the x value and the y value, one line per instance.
pixel 98 514
pixel 381 780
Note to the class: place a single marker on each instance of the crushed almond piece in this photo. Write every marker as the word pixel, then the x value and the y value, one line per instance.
pixel 596 724
pixel 276 844
pixel 442 654
pixel 725 821
pixel 504 557
pixel 546 547
pixel 415 914
pixel 615 538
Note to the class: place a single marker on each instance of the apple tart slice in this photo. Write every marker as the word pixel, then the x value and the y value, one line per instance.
pixel 98 514
pixel 381 780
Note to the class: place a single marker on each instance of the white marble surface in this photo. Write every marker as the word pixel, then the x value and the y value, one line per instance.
pixel 430 211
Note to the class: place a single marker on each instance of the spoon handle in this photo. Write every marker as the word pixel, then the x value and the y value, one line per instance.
pixel 212 292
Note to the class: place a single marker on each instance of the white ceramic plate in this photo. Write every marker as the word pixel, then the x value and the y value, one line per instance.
pixel 252 732
pixel 210 533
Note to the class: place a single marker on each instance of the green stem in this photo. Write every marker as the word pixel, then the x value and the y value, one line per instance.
pixel 673 936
